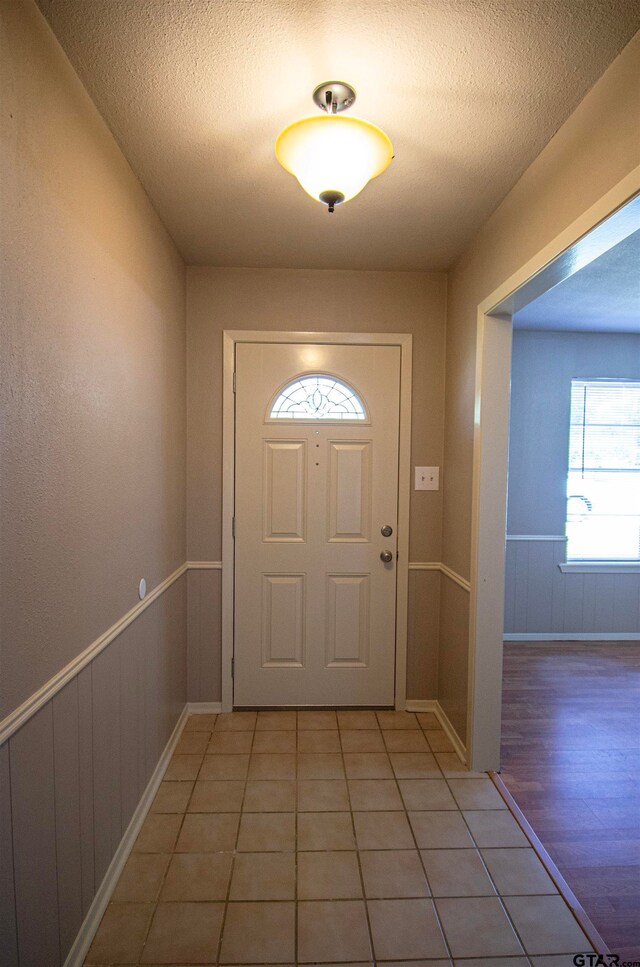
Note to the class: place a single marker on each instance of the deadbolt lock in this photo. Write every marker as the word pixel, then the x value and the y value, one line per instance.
pixel 387 530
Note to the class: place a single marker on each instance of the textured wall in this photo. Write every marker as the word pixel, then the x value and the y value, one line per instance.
pixel 310 300
pixel 93 490
pixel 422 634
pixel 538 596
pixel 92 370
pixel 204 634
pixel 452 657
pixel 592 152
pixel 597 147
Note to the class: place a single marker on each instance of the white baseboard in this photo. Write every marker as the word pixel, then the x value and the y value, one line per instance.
pixel 432 705
pixel 455 739
pixel 421 705
pixel 203 708
pixel 96 911
pixel 572 636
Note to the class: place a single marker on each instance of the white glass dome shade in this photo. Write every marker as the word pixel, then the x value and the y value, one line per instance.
pixel 333 154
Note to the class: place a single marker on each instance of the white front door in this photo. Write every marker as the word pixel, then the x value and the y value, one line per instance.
pixel 316 482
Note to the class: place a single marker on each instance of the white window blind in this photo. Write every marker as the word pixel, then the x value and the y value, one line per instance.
pixel 603 483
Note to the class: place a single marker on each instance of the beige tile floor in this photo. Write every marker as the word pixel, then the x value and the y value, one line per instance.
pixel 353 837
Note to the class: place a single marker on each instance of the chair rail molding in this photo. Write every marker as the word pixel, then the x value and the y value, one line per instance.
pixel 537 537
pixel 444 569
pixel 46 692
pixel 16 719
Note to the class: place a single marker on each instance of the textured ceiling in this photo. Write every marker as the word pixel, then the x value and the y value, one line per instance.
pixel 602 297
pixel 469 91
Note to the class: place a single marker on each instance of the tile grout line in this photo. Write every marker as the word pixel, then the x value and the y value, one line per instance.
pixel 175 843
pixel 235 850
pixel 355 840
pixel 430 888
pixel 477 849
pixel 563 890
pixel 494 885
pixel 498 893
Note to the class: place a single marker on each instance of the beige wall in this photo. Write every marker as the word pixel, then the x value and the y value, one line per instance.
pixel 593 151
pixel 311 300
pixel 92 369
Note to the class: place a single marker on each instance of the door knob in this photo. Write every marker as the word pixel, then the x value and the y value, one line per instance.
pixel 387 530
pixel 387 557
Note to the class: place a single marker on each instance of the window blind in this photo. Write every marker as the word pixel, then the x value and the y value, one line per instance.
pixel 603 484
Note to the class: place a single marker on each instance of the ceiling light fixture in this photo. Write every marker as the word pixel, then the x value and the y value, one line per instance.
pixel 333 156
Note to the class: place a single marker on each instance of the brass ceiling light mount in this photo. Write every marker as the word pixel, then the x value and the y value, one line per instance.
pixel 333 156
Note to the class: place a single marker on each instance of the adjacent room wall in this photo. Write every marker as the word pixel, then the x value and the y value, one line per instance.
pixel 309 300
pixel 92 376
pixel 597 147
pixel 539 597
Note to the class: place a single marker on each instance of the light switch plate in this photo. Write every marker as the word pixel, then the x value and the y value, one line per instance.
pixel 427 478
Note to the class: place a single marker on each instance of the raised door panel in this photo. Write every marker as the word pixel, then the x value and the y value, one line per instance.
pixel 349 492
pixel 348 624
pixel 284 493
pixel 283 619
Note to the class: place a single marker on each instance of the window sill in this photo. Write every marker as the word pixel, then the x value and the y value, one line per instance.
pixel 600 567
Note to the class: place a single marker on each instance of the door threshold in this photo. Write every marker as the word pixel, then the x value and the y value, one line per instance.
pixel 315 708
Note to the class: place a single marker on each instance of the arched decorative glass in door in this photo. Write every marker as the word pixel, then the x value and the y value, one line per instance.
pixel 318 396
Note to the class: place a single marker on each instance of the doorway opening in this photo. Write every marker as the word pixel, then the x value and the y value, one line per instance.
pixel 569 503
pixel 606 224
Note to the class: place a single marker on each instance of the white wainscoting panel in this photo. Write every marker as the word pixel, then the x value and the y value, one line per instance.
pixel 542 600
pixel 73 775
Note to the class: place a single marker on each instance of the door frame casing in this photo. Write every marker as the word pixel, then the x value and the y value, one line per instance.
pixel 231 338
pixel 489 486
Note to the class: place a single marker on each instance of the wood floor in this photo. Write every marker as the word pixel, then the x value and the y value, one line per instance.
pixel 571 759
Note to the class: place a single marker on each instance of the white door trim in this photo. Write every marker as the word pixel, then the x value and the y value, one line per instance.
pixel 489 488
pixel 231 337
